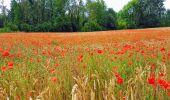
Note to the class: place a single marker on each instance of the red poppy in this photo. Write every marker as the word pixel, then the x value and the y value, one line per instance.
pixel 80 57
pixel 152 81
pixel 3 68
pixel 10 63
pixel 99 51
pixel 56 65
pixel 162 49
pixel 52 70
pixel 5 54
pixel 38 60
pixel 129 63
pixel 117 75
pixel 54 79
pixel 162 82
pixel 1 50
pixel 161 74
pixel 119 80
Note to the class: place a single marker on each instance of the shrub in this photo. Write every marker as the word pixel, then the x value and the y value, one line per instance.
pixel 91 26
pixel 26 27
pixel 3 30
pixel 12 27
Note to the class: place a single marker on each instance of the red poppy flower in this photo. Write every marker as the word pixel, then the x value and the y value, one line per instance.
pixel 162 49
pixel 1 50
pixel 5 54
pixel 152 81
pixel 52 70
pixel 38 60
pixel 54 79
pixel 80 57
pixel 117 75
pixel 10 63
pixel 56 65
pixel 161 74
pixel 162 82
pixel 3 68
pixel 129 63
pixel 99 51
pixel 119 80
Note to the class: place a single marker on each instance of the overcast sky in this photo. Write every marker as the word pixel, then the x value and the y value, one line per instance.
pixel 117 5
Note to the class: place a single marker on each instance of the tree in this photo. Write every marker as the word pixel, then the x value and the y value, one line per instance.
pixel 166 19
pixel 130 15
pixel 110 19
pixel 152 12
pixel 96 13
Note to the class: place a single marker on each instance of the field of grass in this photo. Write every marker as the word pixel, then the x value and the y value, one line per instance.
pixel 112 65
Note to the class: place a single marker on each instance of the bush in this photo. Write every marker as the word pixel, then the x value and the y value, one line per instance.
pixel 45 27
pixel 12 27
pixel 91 26
pixel 26 27
pixel 4 30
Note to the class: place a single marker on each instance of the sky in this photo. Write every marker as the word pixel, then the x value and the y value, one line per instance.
pixel 117 5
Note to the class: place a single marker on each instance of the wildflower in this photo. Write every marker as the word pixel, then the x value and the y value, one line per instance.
pixel 162 82
pixel 119 80
pixel 56 65
pixel 52 70
pixel 99 51
pixel 10 63
pixel 117 75
pixel 38 60
pixel 162 49
pixel 129 63
pixel 161 74
pixel 152 81
pixel 1 50
pixel 80 57
pixel 3 68
pixel 5 54
pixel 54 79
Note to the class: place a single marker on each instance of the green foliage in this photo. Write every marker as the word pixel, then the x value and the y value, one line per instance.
pixel 91 26
pixel 12 27
pixel 45 27
pixel 165 21
pixel 26 27
pixel 142 13
pixel 78 15
pixel 109 20
pixel 4 30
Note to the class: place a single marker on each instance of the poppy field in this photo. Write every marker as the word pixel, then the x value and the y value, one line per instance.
pixel 111 65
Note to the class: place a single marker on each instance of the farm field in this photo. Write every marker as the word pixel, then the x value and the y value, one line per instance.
pixel 111 65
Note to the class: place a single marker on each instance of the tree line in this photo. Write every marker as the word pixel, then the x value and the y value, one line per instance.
pixel 81 15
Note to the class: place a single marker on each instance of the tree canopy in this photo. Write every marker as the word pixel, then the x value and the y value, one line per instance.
pixel 81 15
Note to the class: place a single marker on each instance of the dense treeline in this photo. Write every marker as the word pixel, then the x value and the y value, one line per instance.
pixel 81 15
